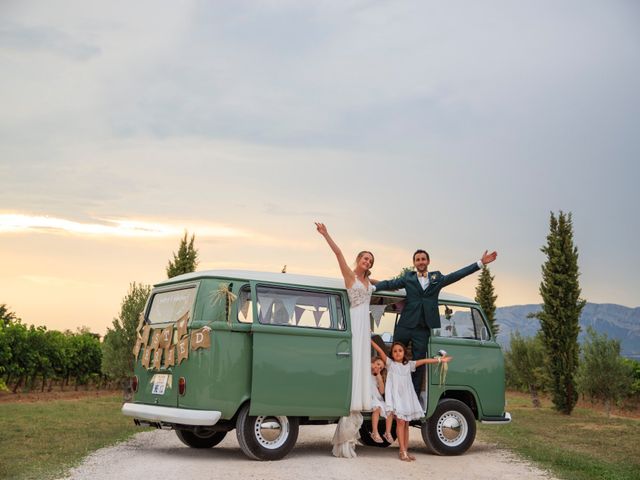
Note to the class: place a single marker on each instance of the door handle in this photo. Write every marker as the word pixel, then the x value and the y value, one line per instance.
pixel 343 354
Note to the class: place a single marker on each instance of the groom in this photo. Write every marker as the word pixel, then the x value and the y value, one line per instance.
pixel 420 312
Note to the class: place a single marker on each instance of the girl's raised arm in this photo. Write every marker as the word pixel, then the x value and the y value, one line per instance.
pixel 444 359
pixel 347 273
pixel 380 351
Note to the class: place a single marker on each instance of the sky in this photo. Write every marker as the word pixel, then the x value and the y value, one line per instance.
pixel 450 126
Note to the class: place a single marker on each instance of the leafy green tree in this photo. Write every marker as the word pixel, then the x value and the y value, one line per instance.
pixel 634 368
pixel 15 339
pixel 602 374
pixel 561 308
pixel 524 363
pixel 117 347
pixel 6 316
pixel 85 354
pixel 186 260
pixel 486 297
pixel 404 271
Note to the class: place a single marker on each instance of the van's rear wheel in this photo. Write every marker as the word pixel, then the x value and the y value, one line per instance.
pixel 200 440
pixel 266 437
pixel 365 433
pixel 451 429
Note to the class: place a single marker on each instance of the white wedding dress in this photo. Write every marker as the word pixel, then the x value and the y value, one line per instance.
pixel 348 430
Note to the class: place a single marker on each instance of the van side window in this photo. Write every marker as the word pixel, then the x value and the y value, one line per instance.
pixel 245 305
pixel 297 308
pixel 169 306
pixel 457 322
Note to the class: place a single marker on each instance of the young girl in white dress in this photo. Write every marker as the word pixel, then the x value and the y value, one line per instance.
pixel 378 405
pixel 400 397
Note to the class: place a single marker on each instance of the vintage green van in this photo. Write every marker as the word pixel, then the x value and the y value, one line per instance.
pixel 263 353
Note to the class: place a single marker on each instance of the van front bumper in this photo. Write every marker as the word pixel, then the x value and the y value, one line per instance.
pixel 181 416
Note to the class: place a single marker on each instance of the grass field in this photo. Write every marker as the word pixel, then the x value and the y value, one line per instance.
pixel 583 446
pixel 41 440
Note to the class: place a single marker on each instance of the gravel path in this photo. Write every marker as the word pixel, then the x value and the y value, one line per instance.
pixel 159 454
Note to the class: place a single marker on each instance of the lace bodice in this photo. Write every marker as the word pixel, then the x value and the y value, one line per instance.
pixel 359 294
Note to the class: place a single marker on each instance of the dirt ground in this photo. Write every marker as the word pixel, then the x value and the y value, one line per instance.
pixel 159 454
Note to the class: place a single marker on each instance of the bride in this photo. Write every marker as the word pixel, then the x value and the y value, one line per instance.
pixel 359 289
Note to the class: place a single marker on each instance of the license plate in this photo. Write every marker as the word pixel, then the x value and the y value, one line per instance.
pixel 159 383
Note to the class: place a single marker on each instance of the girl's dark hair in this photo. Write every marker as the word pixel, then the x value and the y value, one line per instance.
pixel 373 259
pixel 404 355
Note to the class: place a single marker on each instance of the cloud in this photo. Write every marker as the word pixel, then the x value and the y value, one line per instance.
pixel 19 223
pixel 45 39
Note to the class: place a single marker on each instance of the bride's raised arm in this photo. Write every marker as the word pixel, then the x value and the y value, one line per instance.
pixel 347 273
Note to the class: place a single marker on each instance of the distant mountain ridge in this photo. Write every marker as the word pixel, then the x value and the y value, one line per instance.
pixel 617 321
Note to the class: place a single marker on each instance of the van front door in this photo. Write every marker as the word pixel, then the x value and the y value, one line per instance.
pixel 301 353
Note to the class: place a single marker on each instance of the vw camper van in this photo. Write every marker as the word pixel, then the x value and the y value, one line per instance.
pixel 263 353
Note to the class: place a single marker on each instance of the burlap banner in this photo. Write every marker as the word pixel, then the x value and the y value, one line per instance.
pixel 137 347
pixel 181 325
pixel 145 334
pixel 169 356
pixel 183 349
pixel 140 321
pixel 200 338
pixel 155 338
pixel 146 357
pixel 166 336
pixel 157 358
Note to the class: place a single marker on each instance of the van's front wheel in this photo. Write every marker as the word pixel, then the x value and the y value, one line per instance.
pixel 266 437
pixel 451 429
pixel 197 440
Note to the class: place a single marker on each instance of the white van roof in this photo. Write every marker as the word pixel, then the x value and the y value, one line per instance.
pixel 291 279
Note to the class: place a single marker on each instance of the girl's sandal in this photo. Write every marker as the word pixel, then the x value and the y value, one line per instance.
pixel 388 437
pixel 375 436
pixel 411 457
pixel 404 456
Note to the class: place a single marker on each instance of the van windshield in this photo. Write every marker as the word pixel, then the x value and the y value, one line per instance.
pixel 169 306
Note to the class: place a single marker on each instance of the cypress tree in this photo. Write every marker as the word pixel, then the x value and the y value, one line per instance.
pixel 485 296
pixel 561 308
pixel 186 260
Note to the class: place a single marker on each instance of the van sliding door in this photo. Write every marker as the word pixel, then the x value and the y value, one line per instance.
pixel 301 354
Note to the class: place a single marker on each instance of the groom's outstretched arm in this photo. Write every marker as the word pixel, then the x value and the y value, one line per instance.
pixel 394 284
pixel 460 274
pixel 474 267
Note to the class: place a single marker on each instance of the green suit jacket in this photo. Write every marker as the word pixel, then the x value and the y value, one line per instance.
pixel 421 306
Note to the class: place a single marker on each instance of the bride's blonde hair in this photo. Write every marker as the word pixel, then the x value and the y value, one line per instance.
pixel 373 259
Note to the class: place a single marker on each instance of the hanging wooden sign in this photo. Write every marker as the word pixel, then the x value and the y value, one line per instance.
pixel 200 338
pixel 183 349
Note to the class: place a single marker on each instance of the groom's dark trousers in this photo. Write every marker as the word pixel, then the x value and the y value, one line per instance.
pixel 420 313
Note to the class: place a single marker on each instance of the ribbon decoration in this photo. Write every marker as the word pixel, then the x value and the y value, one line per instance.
pixel 442 369
pixel 224 294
